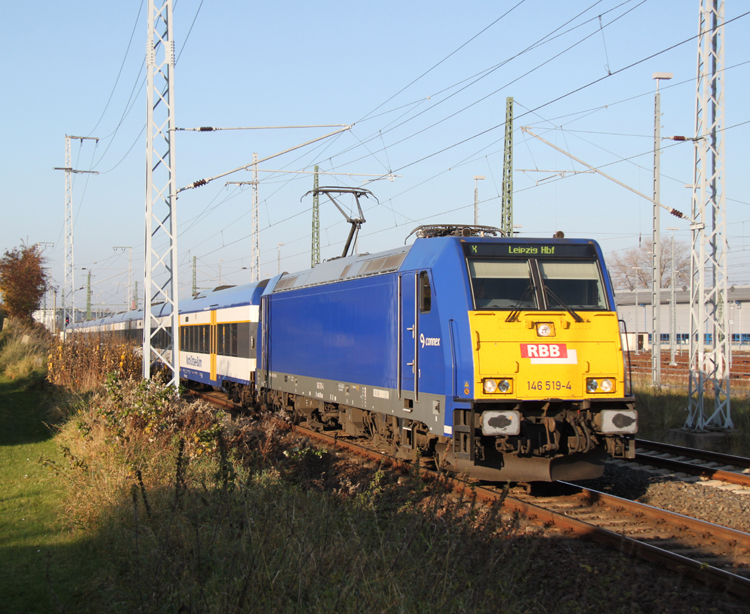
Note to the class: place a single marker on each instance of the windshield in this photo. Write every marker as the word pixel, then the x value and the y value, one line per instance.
pixel 574 284
pixel 500 283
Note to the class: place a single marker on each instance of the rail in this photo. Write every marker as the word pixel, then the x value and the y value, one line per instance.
pixel 731 469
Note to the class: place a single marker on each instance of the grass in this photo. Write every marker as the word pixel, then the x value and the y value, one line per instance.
pixel 22 352
pixel 660 410
pixel 36 554
pixel 144 502
pixel 197 513
pixel 189 524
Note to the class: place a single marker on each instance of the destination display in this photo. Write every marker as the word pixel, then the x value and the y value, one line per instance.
pixel 530 250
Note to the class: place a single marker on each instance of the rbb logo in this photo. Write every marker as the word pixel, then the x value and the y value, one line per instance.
pixel 544 350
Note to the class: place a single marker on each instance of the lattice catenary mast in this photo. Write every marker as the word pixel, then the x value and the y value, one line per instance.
pixel 506 220
pixel 161 266
pixel 69 290
pixel 315 250
pixel 129 300
pixel 255 239
pixel 255 250
pixel 709 361
pixel 195 278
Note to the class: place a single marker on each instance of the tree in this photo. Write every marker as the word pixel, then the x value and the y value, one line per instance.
pixel 631 268
pixel 23 280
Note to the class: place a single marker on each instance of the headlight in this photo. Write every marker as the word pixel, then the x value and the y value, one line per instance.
pixel 545 330
pixel 604 385
pixel 495 385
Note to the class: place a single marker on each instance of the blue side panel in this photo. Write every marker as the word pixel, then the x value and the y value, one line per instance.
pixel 205 378
pixel 196 376
pixel 345 331
pixel 451 294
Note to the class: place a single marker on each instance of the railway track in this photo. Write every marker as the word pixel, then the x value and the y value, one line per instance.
pixel 690 461
pixel 715 555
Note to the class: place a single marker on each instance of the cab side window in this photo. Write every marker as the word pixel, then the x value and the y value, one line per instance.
pixel 425 293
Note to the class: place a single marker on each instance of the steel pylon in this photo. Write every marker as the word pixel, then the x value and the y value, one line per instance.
pixel 709 317
pixel 255 249
pixel 315 248
pixel 160 291
pixel 68 293
pixel 506 223
pixel 69 289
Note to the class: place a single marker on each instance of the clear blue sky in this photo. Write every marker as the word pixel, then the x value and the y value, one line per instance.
pixel 424 84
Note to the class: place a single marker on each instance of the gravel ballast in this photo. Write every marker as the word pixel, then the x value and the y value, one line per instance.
pixel 705 500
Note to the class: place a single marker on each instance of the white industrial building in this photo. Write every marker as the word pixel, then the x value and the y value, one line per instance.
pixel 634 308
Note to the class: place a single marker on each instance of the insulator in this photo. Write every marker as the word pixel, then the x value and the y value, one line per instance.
pixel 206 129
pixel 677 213
pixel 199 183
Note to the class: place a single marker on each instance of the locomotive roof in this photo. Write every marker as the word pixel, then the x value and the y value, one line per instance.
pixel 340 269
pixel 366 265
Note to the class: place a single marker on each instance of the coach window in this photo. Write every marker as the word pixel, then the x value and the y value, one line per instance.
pixel 233 340
pixel 425 293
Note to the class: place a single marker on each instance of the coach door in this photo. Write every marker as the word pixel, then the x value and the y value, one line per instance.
pixel 213 337
pixel 408 336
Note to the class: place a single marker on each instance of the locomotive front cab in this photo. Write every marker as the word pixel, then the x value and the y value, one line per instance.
pixel 549 377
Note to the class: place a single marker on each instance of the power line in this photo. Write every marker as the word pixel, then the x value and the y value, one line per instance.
pixel 563 96
pixel 452 53
pixel 122 65
pixel 481 75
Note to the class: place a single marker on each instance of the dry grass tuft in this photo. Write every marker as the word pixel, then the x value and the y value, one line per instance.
pixel 83 361
pixel 198 513
pixel 660 410
pixel 23 350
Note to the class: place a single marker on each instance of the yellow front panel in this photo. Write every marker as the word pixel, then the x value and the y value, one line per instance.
pixel 552 367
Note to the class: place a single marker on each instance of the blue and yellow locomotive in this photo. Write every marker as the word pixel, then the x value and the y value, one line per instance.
pixel 500 357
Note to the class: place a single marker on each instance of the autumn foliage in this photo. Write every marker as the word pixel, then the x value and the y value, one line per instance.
pixel 23 281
